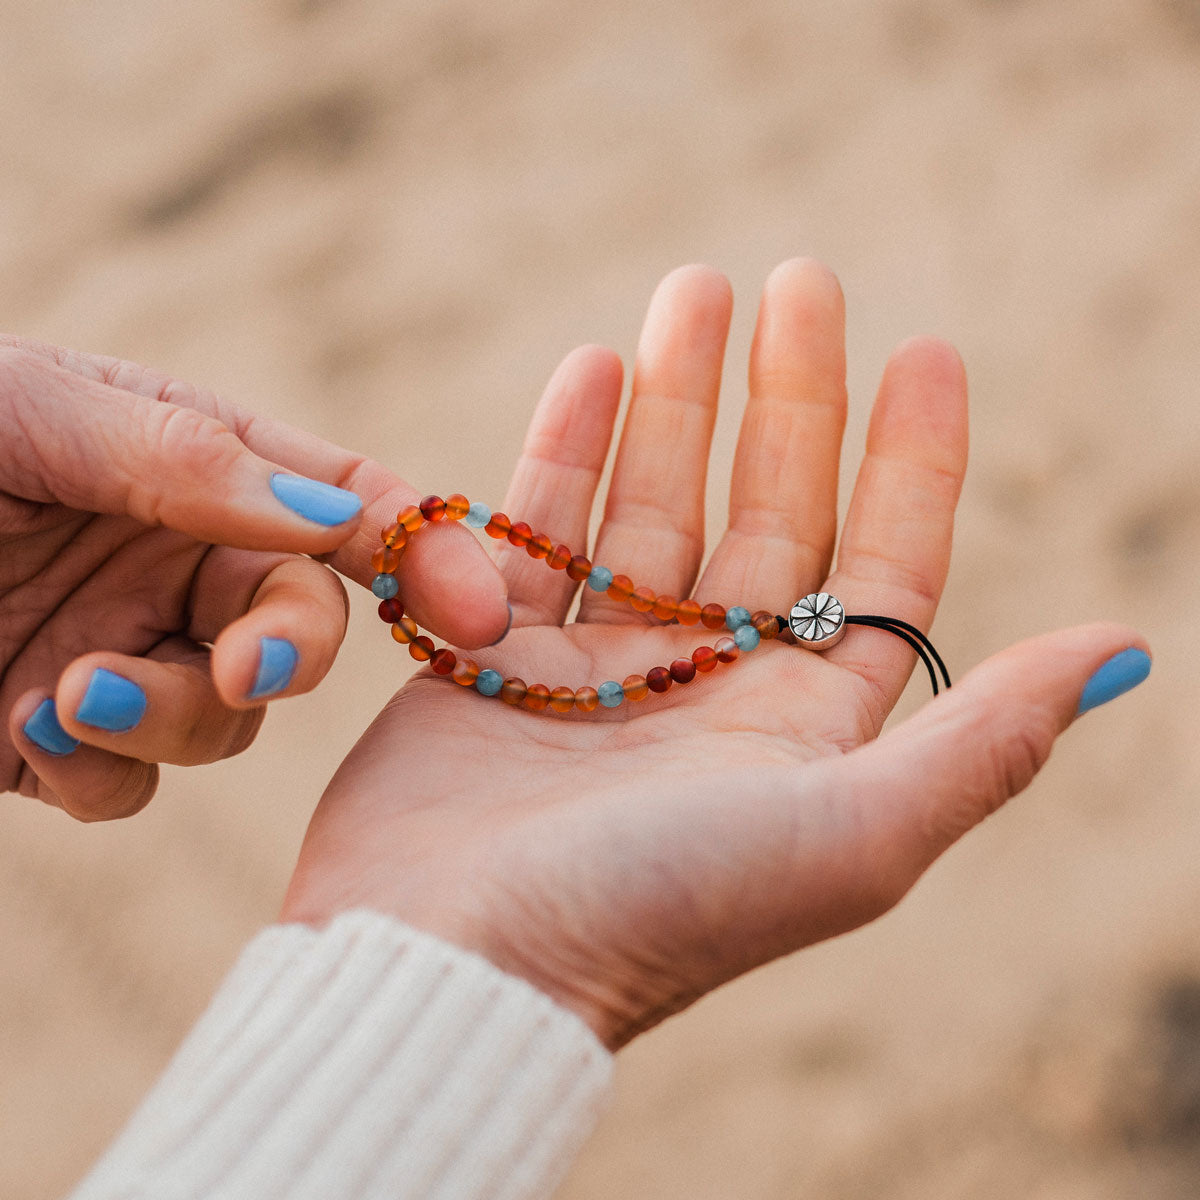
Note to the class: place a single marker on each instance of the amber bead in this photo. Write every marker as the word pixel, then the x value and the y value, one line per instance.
pixel 665 608
pixel 579 568
pixel 498 526
pixel 621 587
pixel 457 506
pixel 404 630
pixel 587 699
pixel 712 616
pixel 635 687
pixel 642 599
pixel 539 546
pixel 705 658
pixel 519 534
pixel 658 679
pixel 411 518
pixel 562 699
pixel 385 560
pixel 765 623
pixel 537 697
pixel 433 508
pixel 688 612
pixel 465 672
pixel 559 557
pixel 390 610
pixel 421 648
pixel 512 691
pixel 443 661
pixel 395 535
pixel 726 649
pixel 683 670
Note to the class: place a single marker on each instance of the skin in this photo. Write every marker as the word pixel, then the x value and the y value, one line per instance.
pixel 630 860
pixel 139 533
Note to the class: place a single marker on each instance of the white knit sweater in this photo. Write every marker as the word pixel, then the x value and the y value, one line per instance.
pixel 366 1061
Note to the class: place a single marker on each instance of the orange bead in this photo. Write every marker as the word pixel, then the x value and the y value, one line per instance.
pixel 537 697
pixel 579 568
pixel 642 599
pixel 712 616
pixel 586 699
pixel 457 506
pixel 562 699
pixel 621 587
pixel 558 558
pixel 404 630
pixel 539 546
pixel 765 623
pixel 465 672
pixel 665 608
pixel 688 612
pixel 498 526
pixel 635 687
pixel 658 679
pixel 443 661
pixel 385 560
pixel 421 648
pixel 512 691
pixel 433 508
pixel 726 649
pixel 683 670
pixel 395 535
pixel 410 518
pixel 705 658
pixel 519 534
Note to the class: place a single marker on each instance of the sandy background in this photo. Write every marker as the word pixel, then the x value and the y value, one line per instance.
pixel 386 222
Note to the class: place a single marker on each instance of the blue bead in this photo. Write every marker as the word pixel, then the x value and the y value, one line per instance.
pixel 746 637
pixel 478 515
pixel 385 586
pixel 611 693
pixel 489 682
pixel 736 617
pixel 599 579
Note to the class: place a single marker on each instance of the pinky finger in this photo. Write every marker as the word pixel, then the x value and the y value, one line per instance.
pixel 86 782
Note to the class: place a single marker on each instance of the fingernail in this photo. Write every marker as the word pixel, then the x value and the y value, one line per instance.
pixel 1120 674
pixel 314 500
pixel 111 702
pixel 43 730
pixel 506 628
pixel 277 659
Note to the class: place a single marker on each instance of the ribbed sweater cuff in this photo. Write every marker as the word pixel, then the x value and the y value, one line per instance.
pixel 365 1061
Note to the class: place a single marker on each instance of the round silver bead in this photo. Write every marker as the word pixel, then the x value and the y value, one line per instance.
pixel 818 621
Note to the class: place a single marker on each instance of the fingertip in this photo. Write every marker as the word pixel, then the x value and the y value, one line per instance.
pixel 699 283
pixel 931 359
pixel 809 277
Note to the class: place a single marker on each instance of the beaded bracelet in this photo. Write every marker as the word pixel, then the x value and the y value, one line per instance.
pixel 817 621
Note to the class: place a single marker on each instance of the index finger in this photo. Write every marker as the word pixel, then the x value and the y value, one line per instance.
pixel 448 582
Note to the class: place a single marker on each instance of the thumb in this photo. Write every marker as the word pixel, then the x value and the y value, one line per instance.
pixel 961 757
pixel 101 449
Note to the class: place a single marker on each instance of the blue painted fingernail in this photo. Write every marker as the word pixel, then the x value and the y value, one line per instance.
pixel 277 659
pixel 111 702
pixel 1120 674
pixel 43 730
pixel 314 500
pixel 506 628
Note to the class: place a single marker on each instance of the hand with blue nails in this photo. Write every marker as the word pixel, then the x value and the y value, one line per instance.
pixel 165 572
pixel 628 860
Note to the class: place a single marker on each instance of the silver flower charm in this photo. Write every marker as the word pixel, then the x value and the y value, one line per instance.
pixel 818 621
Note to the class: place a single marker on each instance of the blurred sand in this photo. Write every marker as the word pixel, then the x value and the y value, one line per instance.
pixel 386 222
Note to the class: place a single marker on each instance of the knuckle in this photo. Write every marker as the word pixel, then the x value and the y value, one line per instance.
pixel 126 795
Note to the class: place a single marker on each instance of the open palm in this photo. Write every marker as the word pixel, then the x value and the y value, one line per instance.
pixel 628 860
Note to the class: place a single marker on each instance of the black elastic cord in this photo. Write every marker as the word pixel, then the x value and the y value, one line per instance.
pixel 913 637
pixel 909 633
